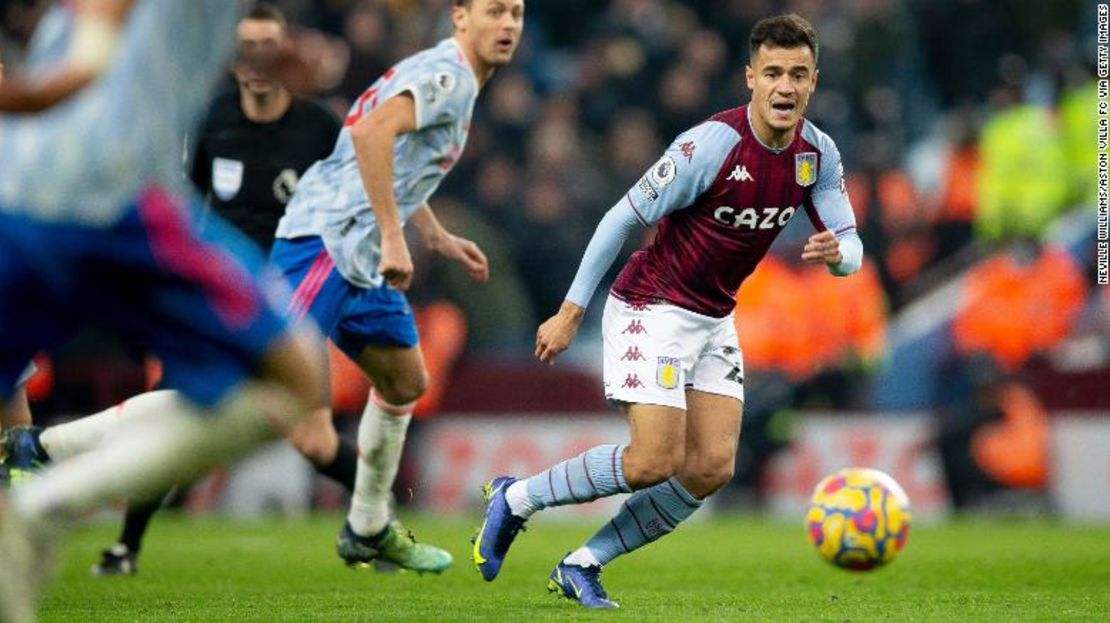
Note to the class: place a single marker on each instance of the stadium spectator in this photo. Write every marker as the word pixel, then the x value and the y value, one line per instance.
pixel 1024 175
pixel 1019 303
pixel 780 333
pixel 1078 123
pixel 959 196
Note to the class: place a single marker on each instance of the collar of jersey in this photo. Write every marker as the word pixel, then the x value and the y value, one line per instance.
pixel 465 61
pixel 755 135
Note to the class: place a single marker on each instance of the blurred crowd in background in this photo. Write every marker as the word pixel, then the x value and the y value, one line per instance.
pixel 967 132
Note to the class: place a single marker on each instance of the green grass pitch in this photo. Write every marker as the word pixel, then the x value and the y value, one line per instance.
pixel 716 570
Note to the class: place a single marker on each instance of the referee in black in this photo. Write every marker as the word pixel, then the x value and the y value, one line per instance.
pixel 250 152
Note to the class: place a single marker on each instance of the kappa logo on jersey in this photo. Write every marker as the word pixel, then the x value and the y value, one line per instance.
pixel 688 150
pixel 663 172
pixel 632 381
pixel 805 168
pixel 740 174
pixel 637 307
pixel 634 328
pixel 748 218
pixel 227 178
pixel 667 372
pixel 633 354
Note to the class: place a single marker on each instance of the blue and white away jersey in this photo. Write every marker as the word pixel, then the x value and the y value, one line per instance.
pixel 85 160
pixel 331 201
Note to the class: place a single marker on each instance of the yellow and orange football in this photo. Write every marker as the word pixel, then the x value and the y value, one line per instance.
pixel 858 518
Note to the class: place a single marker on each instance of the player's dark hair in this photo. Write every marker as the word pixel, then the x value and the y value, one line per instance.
pixel 784 31
pixel 267 12
pixel 464 3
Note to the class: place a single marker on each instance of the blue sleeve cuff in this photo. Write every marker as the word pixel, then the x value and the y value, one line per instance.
pixel 851 251
pixel 602 251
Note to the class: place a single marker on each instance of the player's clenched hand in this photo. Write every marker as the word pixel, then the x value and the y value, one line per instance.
pixel 396 263
pixel 822 248
pixel 466 253
pixel 555 335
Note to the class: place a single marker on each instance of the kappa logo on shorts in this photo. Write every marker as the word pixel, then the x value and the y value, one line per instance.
pixel 637 307
pixel 667 372
pixel 634 328
pixel 632 381
pixel 633 354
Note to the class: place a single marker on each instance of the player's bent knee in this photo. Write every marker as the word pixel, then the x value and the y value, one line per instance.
pixel 650 470
pixel 405 390
pixel 298 361
pixel 315 443
pixel 707 477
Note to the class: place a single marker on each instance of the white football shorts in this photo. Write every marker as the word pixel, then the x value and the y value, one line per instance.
pixel 653 353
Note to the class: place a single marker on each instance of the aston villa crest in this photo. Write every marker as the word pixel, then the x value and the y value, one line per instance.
pixel 668 372
pixel 805 168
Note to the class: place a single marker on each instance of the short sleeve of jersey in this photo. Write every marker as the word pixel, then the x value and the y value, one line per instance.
pixel 687 169
pixel 440 91
pixel 830 197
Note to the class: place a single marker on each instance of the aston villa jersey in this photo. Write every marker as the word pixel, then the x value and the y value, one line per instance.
pixel 720 198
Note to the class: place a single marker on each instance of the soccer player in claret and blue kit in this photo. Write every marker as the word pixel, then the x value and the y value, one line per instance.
pixel 720 195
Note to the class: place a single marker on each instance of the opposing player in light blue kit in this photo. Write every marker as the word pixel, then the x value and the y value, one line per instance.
pixel 96 226
pixel 720 194
pixel 342 248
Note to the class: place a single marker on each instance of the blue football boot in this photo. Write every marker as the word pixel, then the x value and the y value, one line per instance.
pixel 582 584
pixel 498 530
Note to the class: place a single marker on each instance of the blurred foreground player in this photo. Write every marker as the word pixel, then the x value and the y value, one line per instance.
pixel 16 411
pixel 720 194
pixel 255 143
pixel 95 227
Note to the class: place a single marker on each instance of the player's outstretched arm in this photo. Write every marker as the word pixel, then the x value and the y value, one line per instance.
pixel 450 246
pixel 555 335
pixel 97 25
pixel 373 137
